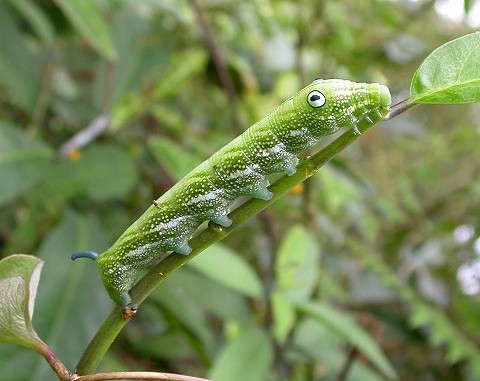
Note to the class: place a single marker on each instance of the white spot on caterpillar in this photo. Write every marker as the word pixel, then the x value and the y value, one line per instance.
pixel 141 250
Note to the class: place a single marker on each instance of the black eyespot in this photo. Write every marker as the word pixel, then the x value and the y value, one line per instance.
pixel 316 99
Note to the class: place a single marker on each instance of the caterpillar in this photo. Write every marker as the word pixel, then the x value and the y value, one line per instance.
pixel 239 169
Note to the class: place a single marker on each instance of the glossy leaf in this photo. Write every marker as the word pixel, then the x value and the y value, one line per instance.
pixel 450 74
pixel 87 19
pixel 19 277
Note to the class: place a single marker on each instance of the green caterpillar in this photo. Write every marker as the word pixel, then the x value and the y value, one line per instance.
pixel 238 169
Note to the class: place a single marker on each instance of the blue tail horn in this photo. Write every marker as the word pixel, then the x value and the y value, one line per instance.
pixel 85 254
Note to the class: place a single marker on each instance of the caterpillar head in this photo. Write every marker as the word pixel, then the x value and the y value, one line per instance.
pixel 328 105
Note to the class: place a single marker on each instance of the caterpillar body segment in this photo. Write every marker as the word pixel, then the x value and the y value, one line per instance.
pixel 241 168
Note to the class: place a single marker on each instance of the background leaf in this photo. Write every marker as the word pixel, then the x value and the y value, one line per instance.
pixel 102 172
pixel 247 357
pixel 226 267
pixel 168 153
pixel 297 264
pixel 86 17
pixel 351 332
pixel 17 70
pixel 23 161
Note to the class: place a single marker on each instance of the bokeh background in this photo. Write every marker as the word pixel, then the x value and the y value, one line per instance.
pixel 385 238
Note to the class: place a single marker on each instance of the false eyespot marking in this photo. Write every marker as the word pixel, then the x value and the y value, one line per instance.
pixel 316 99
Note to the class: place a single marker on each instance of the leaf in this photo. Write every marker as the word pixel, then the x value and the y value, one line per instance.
pixel 87 19
pixel 248 357
pixel 283 316
pixel 450 74
pixel 346 328
pixel 22 162
pixel 37 19
pixel 191 287
pixel 297 264
pixel 139 58
pixel 168 154
pixel 17 69
pixel 187 315
pixel 220 263
pixel 19 276
pixel 102 172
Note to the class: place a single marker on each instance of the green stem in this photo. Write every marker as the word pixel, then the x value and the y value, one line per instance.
pixel 212 234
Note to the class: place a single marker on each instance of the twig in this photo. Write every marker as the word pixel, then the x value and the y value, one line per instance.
pixel 85 136
pixel 399 108
pixel 54 362
pixel 220 67
pixel 137 376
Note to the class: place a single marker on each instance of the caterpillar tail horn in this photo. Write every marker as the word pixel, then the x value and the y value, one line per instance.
pixel 85 254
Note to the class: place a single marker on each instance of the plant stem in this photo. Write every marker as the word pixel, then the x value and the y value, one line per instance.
pixel 137 376
pixel 212 234
pixel 400 108
pixel 54 362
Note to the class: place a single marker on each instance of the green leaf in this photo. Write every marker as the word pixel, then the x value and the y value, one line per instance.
pixel 17 69
pixel 19 276
pixel 297 264
pixel 220 263
pixel 168 154
pixel 247 357
pixel 22 162
pixel 102 172
pixel 187 315
pixel 283 316
pixel 37 19
pixel 450 74
pixel 190 287
pixel 346 328
pixel 87 19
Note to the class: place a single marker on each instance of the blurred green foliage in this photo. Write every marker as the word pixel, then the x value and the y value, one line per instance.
pixel 384 240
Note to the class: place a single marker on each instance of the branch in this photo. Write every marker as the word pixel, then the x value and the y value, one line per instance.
pixel 137 376
pixel 400 108
pixel 85 136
